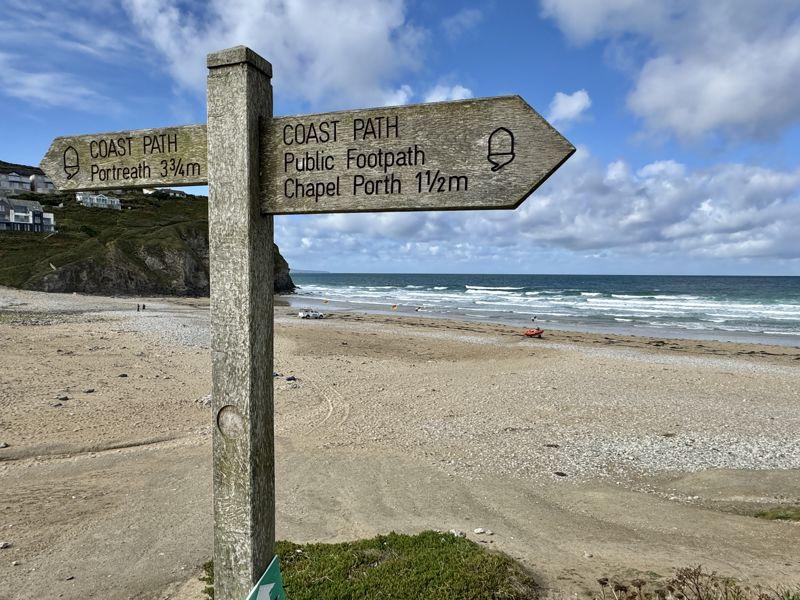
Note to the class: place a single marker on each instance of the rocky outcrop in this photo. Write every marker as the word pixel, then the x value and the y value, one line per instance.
pixel 283 281
pixel 156 247
pixel 152 269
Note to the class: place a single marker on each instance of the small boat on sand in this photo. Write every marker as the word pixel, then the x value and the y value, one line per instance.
pixel 537 333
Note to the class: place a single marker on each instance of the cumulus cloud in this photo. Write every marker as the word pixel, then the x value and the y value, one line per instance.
pixel 461 22
pixel 664 209
pixel 568 107
pixel 728 67
pixel 442 93
pixel 320 49
pixel 401 95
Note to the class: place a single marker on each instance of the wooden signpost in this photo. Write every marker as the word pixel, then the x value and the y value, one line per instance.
pixel 143 158
pixel 472 154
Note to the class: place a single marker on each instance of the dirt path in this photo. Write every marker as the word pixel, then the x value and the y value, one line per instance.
pixel 136 523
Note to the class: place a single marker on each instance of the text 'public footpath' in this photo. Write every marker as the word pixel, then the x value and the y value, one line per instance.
pixel 303 160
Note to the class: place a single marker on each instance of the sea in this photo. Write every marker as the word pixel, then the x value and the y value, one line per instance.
pixel 744 309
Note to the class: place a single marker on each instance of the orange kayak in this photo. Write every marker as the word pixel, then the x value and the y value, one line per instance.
pixel 537 333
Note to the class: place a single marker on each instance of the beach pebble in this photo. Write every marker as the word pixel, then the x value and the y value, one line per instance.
pixel 62 397
pixel 559 473
pixel 122 375
pixel 489 532
pixel 91 390
pixel 3 445
pixel 4 545
pixel 14 563
pixel 56 405
pixel 458 533
pixel 479 530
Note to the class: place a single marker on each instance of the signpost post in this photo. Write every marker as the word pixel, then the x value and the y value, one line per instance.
pixel 241 264
pixel 474 154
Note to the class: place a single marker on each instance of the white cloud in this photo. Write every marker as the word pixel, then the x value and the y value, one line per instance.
pixel 442 93
pixel 48 88
pixel 568 107
pixel 727 67
pixel 586 20
pixel 401 95
pixel 663 210
pixel 350 52
pixel 461 22
pixel 88 28
pixel 50 50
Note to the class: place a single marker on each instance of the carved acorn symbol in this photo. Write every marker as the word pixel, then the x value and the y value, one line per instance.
pixel 501 148
pixel 71 162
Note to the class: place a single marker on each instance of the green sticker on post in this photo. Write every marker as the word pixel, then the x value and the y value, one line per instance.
pixel 270 586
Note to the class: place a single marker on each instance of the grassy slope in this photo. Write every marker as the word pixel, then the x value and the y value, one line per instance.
pixel 83 233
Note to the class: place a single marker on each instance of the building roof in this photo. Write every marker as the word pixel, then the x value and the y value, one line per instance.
pixel 29 204
pixel 7 167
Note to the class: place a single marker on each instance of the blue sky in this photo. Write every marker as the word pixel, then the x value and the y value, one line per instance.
pixel 686 116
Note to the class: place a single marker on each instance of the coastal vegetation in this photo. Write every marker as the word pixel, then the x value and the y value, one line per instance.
pixel 781 513
pixel 690 583
pixel 442 566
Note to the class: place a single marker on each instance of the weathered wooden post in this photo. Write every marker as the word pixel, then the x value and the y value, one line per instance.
pixel 241 267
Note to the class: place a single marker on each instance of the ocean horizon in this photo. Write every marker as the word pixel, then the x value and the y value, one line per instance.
pixel 760 309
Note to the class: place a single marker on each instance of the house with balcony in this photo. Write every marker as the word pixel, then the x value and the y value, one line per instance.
pixel 25 215
pixel 15 179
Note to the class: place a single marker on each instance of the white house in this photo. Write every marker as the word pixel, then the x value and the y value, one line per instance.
pixel 95 200
pixel 165 192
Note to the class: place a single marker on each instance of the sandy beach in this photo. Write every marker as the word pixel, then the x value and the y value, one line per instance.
pixel 587 455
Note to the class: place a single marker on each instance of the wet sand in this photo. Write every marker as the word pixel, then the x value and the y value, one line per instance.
pixel 587 455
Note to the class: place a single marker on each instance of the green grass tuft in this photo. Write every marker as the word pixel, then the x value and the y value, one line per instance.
pixel 781 513
pixel 208 578
pixel 430 565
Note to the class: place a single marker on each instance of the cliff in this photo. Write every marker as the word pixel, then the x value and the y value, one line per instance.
pixel 153 246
